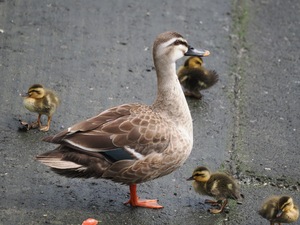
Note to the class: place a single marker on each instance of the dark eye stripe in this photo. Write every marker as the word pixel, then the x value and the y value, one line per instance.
pixel 199 175
pixel 34 91
pixel 180 42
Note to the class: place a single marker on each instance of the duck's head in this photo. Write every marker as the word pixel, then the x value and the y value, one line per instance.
pixel 285 204
pixel 35 91
pixel 193 62
pixel 170 46
pixel 200 174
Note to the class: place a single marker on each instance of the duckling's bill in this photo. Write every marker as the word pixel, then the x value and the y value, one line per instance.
pixel 190 178
pixel 24 94
pixel 195 52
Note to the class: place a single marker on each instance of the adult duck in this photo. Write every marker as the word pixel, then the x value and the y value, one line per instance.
pixel 133 143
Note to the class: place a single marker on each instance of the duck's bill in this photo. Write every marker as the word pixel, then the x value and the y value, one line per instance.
pixel 195 52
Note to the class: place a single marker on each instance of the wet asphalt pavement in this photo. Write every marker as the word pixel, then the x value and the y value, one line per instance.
pixel 97 54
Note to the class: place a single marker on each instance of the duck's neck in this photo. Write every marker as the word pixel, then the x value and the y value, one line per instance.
pixel 170 98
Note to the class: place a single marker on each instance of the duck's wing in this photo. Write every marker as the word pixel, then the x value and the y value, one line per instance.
pixel 126 131
pixel 122 143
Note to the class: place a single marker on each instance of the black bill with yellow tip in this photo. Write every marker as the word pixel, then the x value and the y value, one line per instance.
pixel 194 52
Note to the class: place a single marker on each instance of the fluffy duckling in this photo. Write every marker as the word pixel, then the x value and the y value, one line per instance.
pixel 218 185
pixel 279 209
pixel 193 77
pixel 42 101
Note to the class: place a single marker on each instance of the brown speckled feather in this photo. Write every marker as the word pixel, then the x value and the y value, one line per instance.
pixel 130 126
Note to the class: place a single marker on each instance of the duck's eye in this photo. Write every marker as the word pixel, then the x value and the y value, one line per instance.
pixel 177 42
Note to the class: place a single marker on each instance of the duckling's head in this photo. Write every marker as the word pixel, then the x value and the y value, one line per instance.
pixel 285 204
pixel 200 174
pixel 170 46
pixel 35 91
pixel 193 62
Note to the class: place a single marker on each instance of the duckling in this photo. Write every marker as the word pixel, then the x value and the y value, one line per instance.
pixel 193 77
pixel 42 101
pixel 279 209
pixel 218 185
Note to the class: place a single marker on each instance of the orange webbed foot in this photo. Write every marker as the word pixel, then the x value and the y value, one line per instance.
pixel 215 211
pixel 212 202
pixel 137 202
pixel 44 128
pixel 220 203
pixel 146 203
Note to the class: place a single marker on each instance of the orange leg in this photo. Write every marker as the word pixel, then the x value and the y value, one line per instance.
pixel 216 211
pixel 39 120
pixel 46 128
pixel 136 202
pixel 212 202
